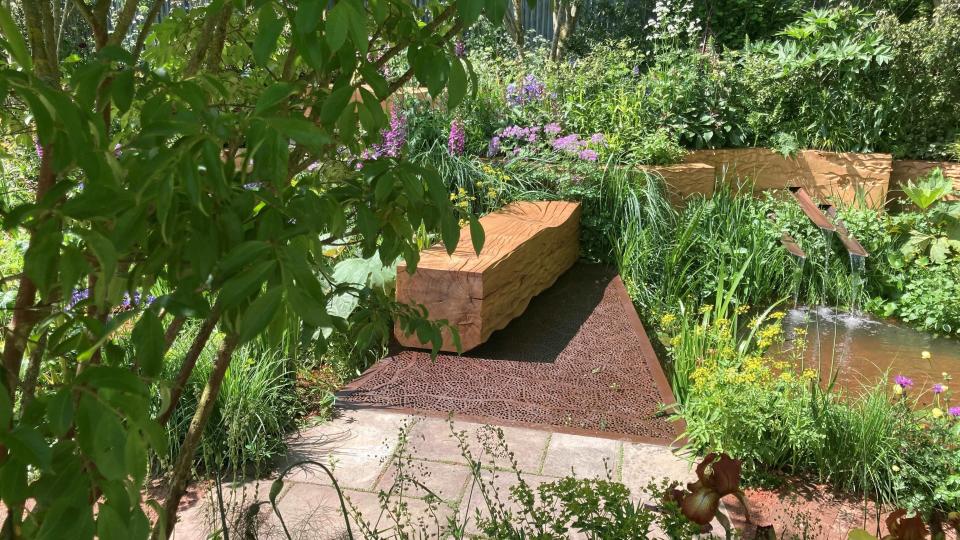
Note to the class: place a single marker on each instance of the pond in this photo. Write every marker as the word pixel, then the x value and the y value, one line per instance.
pixel 863 350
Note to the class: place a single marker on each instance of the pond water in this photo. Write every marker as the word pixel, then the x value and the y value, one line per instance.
pixel 864 350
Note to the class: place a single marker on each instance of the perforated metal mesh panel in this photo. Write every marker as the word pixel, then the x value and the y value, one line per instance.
pixel 575 358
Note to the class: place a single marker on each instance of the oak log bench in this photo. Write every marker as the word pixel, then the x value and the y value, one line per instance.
pixel 528 246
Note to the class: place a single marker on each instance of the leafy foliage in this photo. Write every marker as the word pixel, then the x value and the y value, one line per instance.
pixel 181 163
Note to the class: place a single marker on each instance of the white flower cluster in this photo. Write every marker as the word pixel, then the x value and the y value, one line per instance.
pixel 673 20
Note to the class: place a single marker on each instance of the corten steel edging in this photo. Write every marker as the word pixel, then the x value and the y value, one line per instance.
pixel 811 209
pixel 646 349
pixel 851 244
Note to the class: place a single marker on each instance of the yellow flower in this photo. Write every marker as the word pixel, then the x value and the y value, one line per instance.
pixel 777 315
pixel 809 374
pixel 742 309
pixel 786 376
pixel 936 412
pixel 925 355
pixel 668 319
pixel 453 196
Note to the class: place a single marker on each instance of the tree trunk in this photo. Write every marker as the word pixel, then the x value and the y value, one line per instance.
pixel 565 17
pixel 517 26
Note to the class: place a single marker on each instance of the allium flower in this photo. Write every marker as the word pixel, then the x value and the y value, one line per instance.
pixel 954 412
pixel 588 155
pixel 903 381
pixel 460 48
pixel 599 139
pixel 939 388
pixel 568 143
pixel 457 140
pixel 552 129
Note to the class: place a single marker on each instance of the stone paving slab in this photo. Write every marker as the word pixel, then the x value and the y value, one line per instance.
pixel 370 449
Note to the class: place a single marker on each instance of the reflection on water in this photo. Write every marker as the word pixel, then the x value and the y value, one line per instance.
pixel 862 350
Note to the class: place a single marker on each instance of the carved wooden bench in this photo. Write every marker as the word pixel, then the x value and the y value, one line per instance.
pixel 528 246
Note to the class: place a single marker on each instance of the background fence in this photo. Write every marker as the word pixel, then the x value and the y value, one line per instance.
pixel 538 19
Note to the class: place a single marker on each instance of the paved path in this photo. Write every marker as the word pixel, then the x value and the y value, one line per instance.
pixel 368 449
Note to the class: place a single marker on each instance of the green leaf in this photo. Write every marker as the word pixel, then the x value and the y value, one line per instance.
pixel 301 130
pixel 243 254
pixel 242 286
pixel 337 26
pixel 60 411
pixel 273 95
pixel 260 313
pixel 148 339
pixel 358 24
pixel 121 91
pixel 468 11
pixel 6 408
pixel 495 10
pixel 26 443
pixel 15 42
pixel 308 17
pixel 335 103
pixel 450 232
pixel 269 28
pixel 477 236
pixel 113 378
pixel 457 84
pixel 13 482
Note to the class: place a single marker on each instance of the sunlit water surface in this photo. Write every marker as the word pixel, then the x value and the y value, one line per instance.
pixel 863 350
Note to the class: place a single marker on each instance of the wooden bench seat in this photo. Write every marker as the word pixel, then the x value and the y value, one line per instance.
pixel 528 246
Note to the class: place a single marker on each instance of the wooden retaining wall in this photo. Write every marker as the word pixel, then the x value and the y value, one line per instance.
pixel 845 177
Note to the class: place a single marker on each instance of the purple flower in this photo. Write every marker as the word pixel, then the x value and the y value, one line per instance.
pixel 939 388
pixel 494 147
pixel 598 139
pixel 903 381
pixel 636 71
pixel 77 297
pixel 954 412
pixel 552 129
pixel 457 140
pixel 460 48
pixel 588 155
pixel 568 143
pixel 531 90
pixel 393 138
pixel 38 148
pixel 117 150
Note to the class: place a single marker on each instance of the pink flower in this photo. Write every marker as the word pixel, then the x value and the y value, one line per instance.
pixel 939 388
pixel 903 381
pixel 457 141
pixel 954 412
pixel 588 155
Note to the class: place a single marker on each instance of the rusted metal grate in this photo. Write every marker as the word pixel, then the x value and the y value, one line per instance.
pixel 578 359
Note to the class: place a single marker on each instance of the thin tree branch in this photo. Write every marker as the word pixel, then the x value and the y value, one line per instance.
pixel 145 29
pixel 124 20
pixel 189 362
pixel 184 465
